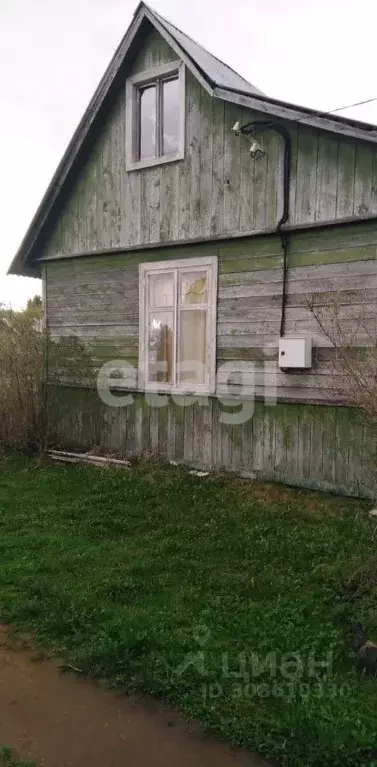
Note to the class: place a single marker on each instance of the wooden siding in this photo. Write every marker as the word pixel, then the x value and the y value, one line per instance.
pixel 218 188
pixel 96 300
pixel 328 448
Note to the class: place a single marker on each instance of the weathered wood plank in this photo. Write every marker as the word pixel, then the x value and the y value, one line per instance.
pixel 260 184
pixel 346 179
pixel 274 179
pixel 327 178
pixel 294 177
pixel 306 175
pixel 247 181
pixel 232 169
pixel 294 443
pixel 363 180
pixel 193 128
pixel 217 216
pixel 206 160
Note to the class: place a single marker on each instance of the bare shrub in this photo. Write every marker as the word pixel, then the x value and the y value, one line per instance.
pixel 350 325
pixel 21 379
pixel 29 360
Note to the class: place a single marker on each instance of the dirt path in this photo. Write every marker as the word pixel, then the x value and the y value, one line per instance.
pixel 64 721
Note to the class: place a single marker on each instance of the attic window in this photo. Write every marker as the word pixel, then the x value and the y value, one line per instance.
pixel 155 104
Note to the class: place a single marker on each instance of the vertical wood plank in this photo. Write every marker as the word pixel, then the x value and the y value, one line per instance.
pixel 316 444
pixel 146 448
pixel 198 428
pixel 363 180
pixel 260 183
pixel 291 438
pixel 232 169
pixel 217 215
pixel 171 430
pixel 346 179
pixel 153 425
pixel 117 153
pixel 82 212
pixel 193 159
pixel 206 139
pixel 226 445
pixel 247 180
pixel 189 433
pixel 106 186
pixel 179 428
pixel 293 185
pixel 304 442
pixel 355 454
pixel 237 440
pixel 280 462
pixel 268 440
pixel 329 445
pixel 343 438
pixel 274 180
pixel 247 445
pixel 163 415
pixel 72 218
pixel 139 442
pixel 258 437
pixel 153 204
pixel 327 178
pixel 306 175
pixel 169 179
pixel 92 182
pixel 130 413
pixel 207 434
pixel 374 184
pixel 132 202
pixel 216 434
pixel 185 170
pixel 145 207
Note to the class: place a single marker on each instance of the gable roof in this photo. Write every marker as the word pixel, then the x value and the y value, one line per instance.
pixel 215 71
pixel 219 80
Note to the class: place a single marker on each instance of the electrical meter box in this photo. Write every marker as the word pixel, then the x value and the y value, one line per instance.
pixel 295 353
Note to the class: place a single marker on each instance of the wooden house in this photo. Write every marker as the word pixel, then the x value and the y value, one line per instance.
pixel 178 242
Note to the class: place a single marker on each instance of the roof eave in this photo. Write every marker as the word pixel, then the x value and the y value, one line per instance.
pixel 294 113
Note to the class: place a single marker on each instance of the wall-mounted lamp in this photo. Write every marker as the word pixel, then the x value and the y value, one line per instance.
pixel 256 149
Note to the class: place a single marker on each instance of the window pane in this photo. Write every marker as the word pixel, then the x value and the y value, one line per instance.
pixel 160 347
pixel 170 116
pixel 161 288
pixel 192 346
pixel 194 288
pixel 147 122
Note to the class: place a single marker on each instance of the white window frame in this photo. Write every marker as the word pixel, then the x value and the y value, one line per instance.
pixel 209 265
pixel 133 85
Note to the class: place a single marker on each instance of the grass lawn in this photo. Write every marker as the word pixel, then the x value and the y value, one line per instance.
pixel 199 591
pixel 7 760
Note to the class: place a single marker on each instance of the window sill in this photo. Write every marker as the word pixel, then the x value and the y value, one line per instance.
pixel 132 387
pixel 153 162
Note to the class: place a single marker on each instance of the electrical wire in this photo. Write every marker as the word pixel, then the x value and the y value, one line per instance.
pixel 350 106
pixel 312 113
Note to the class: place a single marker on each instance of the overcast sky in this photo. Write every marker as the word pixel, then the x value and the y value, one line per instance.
pixel 319 53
